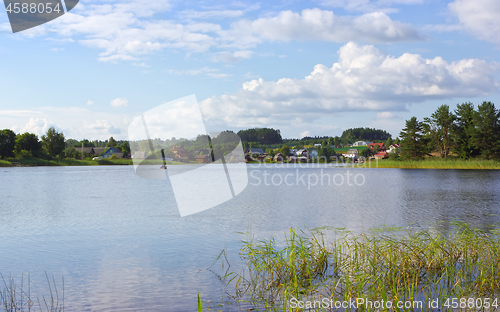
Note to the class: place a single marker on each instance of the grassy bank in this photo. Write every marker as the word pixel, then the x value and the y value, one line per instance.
pixel 415 266
pixel 438 163
pixel 20 162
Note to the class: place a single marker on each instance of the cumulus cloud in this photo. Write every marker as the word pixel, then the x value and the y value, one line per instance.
pixel 323 25
pixel 101 127
pixel 127 31
pixel 119 102
pixel 90 102
pixel 38 126
pixel 479 17
pixel 363 79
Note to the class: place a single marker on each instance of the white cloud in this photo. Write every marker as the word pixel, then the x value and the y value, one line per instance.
pixel 367 5
pixel 101 127
pixel 119 102
pixel 479 17
pixel 213 14
pixel 322 25
pixel 385 115
pixel 205 71
pixel 363 79
pixel 20 113
pixel 38 126
pixel 232 57
pixel 90 102
pixel 127 31
pixel 305 133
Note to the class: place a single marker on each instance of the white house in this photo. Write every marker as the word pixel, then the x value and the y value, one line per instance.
pixel 361 143
pixel 352 153
pixel 303 153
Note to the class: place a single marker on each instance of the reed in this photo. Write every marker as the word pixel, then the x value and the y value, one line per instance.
pixel 18 298
pixel 410 265
pixel 437 163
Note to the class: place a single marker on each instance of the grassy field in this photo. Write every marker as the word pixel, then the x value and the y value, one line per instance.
pixel 438 163
pixel 391 264
pixel 21 162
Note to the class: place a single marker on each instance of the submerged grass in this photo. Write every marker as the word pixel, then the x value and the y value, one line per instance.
pixel 438 163
pixel 16 298
pixel 415 265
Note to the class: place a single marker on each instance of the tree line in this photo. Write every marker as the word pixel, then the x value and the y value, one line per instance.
pixel 51 145
pixel 467 132
pixel 28 145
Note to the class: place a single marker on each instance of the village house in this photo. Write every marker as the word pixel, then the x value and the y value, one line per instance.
pixel 259 151
pixel 110 151
pixel 303 153
pixel 91 151
pixel 204 159
pixel 279 157
pixel 351 153
pixel 394 148
pixel 180 152
pixel 361 143
pixel 381 146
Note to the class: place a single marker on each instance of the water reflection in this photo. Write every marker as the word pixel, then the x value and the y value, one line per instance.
pixel 121 244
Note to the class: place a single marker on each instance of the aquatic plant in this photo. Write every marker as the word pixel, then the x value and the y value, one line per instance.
pixel 408 265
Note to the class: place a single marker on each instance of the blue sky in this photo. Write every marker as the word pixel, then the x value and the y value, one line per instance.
pixel 305 67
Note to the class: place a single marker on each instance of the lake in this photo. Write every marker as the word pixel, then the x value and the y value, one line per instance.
pixel 121 245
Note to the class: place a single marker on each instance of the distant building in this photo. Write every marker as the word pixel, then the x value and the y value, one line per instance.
pixel 279 157
pixel 203 159
pixel 381 146
pixel 317 145
pixel 382 155
pixel 110 151
pixel 361 143
pixel 352 153
pixel 293 152
pixel 259 151
pixel 303 153
pixel 180 152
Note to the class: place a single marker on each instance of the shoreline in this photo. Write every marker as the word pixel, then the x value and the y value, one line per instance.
pixel 437 163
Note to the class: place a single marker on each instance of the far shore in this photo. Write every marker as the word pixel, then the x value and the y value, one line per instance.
pixel 428 163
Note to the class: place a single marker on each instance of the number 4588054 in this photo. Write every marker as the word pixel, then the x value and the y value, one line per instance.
pixel 32 8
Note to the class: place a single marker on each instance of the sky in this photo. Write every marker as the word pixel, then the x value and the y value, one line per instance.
pixel 308 68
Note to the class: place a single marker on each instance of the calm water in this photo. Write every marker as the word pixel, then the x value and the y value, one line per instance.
pixel 121 244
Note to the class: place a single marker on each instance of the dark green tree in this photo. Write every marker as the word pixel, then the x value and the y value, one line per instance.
pixel 463 132
pixel 28 142
pixel 285 150
pixel 411 140
pixel 7 143
pixel 388 143
pixel 125 147
pixel 438 129
pixel 487 134
pixel 111 142
pixel 53 142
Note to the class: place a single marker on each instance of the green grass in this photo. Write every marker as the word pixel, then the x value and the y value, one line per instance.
pixel 438 163
pixel 62 162
pixel 413 265
pixel 18 297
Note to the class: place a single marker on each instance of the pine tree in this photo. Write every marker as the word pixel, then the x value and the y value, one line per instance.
pixel 411 140
pixel 463 131
pixel 487 134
